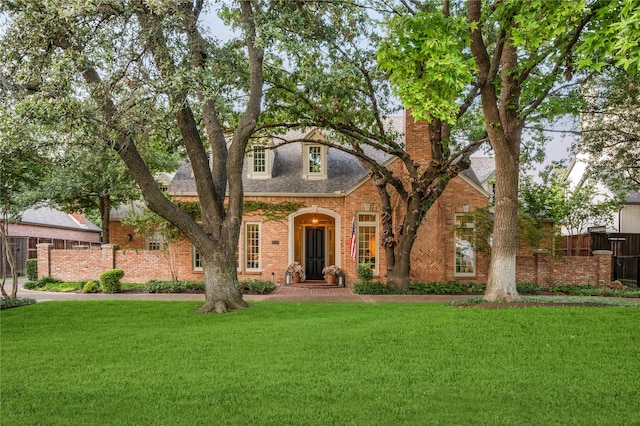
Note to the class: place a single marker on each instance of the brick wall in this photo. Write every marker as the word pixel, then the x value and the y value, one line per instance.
pixel 142 265
pixel 542 269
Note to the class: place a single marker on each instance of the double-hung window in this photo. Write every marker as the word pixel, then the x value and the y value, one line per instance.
pixel 315 161
pixel 367 237
pixel 252 246
pixel 465 253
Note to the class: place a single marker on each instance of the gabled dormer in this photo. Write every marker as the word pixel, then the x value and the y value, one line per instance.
pixel 261 157
pixel 314 157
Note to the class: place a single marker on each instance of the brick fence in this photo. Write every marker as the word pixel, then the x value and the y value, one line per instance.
pixel 143 265
pixel 543 269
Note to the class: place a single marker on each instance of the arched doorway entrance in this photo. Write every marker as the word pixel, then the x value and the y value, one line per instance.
pixel 315 233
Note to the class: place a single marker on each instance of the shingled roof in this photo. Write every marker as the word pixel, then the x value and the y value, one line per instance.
pixel 45 216
pixel 344 172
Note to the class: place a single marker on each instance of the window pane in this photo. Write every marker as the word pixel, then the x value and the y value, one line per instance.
pixel 315 159
pixel 465 260
pixel 365 217
pixel 367 245
pixel 252 248
pixel 197 262
pixel 259 160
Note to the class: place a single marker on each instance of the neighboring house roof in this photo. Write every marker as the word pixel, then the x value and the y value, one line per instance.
pixel 45 216
pixel 123 211
pixel 633 198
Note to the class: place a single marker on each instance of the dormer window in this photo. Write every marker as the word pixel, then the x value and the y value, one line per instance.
pixel 315 161
pixel 261 162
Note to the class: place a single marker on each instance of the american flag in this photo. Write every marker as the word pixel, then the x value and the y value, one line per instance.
pixel 352 247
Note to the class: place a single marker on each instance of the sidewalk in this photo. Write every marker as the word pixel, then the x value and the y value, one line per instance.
pixel 281 293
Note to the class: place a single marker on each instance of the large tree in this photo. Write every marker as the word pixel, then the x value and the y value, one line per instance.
pixel 524 54
pixel 341 86
pixel 22 167
pixel 128 55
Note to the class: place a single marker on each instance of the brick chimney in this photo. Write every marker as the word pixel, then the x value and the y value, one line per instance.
pixel 417 138
pixel 79 217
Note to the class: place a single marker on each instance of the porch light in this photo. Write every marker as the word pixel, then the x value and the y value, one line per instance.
pixel 314 220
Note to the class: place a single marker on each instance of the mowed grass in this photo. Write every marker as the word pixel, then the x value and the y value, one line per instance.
pixel 133 362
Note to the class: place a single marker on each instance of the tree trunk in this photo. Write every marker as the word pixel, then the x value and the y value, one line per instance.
pixel 222 289
pixel 501 283
pixel 105 217
pixel 11 261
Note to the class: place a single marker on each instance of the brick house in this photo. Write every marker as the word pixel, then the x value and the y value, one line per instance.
pixel 339 198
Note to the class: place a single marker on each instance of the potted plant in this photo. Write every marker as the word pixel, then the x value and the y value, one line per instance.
pixel 297 272
pixel 330 273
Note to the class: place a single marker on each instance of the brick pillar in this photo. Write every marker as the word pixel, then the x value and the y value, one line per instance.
pixel 543 270
pixel 109 256
pixel 604 263
pixel 44 259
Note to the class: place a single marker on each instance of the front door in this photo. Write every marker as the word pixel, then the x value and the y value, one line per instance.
pixel 314 253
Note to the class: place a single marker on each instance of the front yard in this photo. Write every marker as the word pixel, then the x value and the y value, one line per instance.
pixel 132 362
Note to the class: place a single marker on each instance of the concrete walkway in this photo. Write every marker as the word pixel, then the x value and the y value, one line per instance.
pixel 281 293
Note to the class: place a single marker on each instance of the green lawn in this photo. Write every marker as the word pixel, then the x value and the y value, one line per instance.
pixel 131 362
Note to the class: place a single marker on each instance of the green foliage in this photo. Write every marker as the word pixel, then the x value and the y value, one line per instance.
pixel 375 287
pixel 91 287
pixel 435 288
pixel 46 281
pixel 10 302
pixel 110 280
pixel 271 211
pixel 157 286
pixel 365 272
pixel 429 64
pixel 259 286
pixel 589 290
pixel 31 265
pixel 528 288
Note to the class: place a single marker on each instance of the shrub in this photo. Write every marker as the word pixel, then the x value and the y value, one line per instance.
pixel 34 285
pixel 528 288
pixel 365 273
pixel 9 302
pixel 376 287
pixel 260 286
pixel 91 287
pixel 157 286
pixel 31 265
pixel 110 280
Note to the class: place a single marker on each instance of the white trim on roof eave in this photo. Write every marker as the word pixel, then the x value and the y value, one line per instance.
pixel 366 178
pixel 475 185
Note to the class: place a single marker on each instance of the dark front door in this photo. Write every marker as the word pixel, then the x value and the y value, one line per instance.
pixel 314 253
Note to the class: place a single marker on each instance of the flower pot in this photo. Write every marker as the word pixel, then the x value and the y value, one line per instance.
pixel 296 278
pixel 331 279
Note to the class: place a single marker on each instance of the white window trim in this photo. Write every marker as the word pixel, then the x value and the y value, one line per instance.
pixel 475 253
pixel 268 166
pixel 246 245
pixel 306 174
pixel 194 253
pixel 376 269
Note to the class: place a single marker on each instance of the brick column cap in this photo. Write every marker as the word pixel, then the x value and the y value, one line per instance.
pixel 602 252
pixel 44 245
